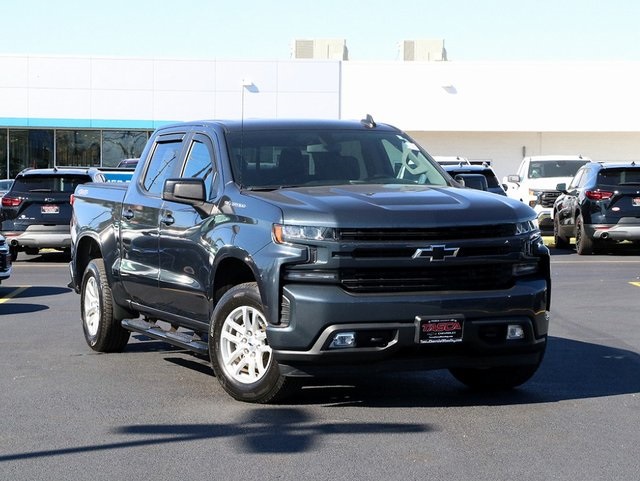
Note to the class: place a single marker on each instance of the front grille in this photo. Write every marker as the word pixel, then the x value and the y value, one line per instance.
pixel 548 198
pixel 428 278
pixel 441 233
pixel 408 252
pixel 5 261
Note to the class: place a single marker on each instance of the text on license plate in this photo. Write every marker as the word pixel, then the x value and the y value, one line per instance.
pixel 50 209
pixel 441 329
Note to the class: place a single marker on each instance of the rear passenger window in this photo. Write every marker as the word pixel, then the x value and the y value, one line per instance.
pixel 162 166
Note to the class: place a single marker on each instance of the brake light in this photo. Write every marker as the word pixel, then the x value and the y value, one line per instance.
pixel 11 201
pixel 598 194
pixel 71 199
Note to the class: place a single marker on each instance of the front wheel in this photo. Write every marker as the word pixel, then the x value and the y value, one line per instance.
pixel 559 240
pixel 102 332
pixel 240 355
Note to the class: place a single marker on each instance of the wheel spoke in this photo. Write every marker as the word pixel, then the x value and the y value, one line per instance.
pixel 231 337
pixel 243 345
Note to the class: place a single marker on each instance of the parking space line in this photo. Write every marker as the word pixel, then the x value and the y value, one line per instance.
pixel 13 293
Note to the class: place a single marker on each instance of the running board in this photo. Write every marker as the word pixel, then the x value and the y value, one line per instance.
pixel 176 338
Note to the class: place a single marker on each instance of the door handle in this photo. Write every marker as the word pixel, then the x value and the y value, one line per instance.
pixel 128 214
pixel 167 219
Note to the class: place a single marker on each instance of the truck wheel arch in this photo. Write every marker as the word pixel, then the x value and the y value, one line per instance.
pixel 229 272
pixel 87 248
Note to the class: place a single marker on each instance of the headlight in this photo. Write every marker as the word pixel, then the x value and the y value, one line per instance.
pixel 534 196
pixel 284 233
pixel 528 226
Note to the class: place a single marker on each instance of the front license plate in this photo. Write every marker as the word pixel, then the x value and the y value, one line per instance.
pixel 439 330
pixel 635 201
pixel 50 209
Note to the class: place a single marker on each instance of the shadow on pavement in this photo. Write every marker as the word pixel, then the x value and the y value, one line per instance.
pixel 571 370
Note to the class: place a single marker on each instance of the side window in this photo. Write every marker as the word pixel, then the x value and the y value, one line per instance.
pixel 576 180
pixel 161 166
pixel 586 175
pixel 200 164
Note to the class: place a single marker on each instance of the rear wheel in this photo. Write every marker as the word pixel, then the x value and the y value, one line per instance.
pixel 560 241
pixel 240 355
pixel 102 332
pixel 584 244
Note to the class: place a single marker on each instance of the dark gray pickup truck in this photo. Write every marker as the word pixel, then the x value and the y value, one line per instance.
pixel 283 249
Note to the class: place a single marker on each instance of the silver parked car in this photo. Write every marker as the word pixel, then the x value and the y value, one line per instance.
pixel 5 259
pixel 5 186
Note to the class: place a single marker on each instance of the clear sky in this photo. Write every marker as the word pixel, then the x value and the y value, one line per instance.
pixel 265 30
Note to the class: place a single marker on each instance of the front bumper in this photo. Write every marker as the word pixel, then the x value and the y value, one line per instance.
pixel 5 263
pixel 545 218
pixel 386 325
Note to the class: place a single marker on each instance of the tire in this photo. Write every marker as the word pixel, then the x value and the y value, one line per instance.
pixel 559 241
pixel 494 378
pixel 102 332
pixel 14 253
pixel 249 373
pixel 584 244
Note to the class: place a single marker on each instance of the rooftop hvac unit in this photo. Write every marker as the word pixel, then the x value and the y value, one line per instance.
pixel 423 50
pixel 332 49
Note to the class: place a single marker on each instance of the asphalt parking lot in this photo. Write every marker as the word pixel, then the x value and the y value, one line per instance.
pixel 155 412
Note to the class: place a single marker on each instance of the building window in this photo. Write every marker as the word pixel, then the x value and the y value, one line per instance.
pixel 4 165
pixel 78 148
pixel 30 148
pixel 122 144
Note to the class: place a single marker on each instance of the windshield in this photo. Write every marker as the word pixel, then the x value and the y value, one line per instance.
pixel 554 168
pixel 274 159
pixel 49 183
pixel 622 176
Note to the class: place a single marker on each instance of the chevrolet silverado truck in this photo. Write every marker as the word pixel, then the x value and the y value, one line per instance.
pixel 283 249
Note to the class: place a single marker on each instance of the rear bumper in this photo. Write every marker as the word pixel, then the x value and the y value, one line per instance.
pixel 386 325
pixel 624 230
pixel 40 237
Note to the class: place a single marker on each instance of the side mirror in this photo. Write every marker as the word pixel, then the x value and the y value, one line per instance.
pixel 514 178
pixel 189 191
pixel 562 187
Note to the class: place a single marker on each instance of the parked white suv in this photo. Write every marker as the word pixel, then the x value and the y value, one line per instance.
pixel 536 181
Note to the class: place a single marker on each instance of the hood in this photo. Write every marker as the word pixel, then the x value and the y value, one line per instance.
pixel 391 205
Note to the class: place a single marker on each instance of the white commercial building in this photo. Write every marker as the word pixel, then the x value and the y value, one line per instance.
pixel 96 110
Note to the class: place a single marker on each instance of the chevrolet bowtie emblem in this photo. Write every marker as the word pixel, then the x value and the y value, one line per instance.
pixel 436 253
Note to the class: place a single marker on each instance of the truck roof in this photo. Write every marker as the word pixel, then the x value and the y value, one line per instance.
pixel 557 157
pixel 237 125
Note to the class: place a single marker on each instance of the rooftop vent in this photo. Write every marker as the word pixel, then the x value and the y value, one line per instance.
pixel 321 49
pixel 426 50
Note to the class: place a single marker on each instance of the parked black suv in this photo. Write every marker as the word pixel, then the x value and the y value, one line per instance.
pixel 481 177
pixel 601 205
pixel 36 212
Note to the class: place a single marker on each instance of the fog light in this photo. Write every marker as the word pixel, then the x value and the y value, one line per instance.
pixel 515 331
pixel 343 339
